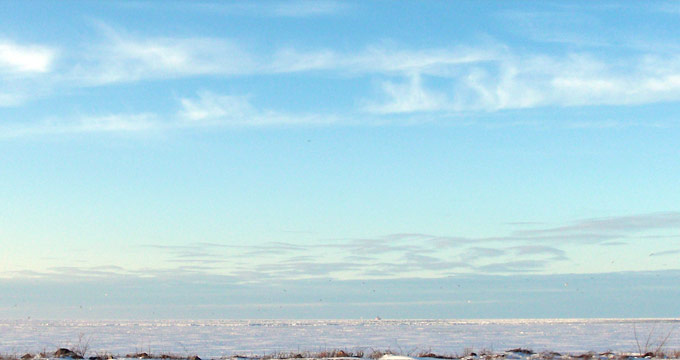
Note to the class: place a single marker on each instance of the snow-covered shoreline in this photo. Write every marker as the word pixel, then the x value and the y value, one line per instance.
pixel 212 339
pixel 513 354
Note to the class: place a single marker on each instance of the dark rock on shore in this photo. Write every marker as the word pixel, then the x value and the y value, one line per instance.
pixel 521 351
pixel 100 357
pixel 436 356
pixel 138 356
pixel 66 353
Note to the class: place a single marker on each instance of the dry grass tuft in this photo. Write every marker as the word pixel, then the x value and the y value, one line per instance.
pixel 325 354
pixel 435 356
pixel 377 354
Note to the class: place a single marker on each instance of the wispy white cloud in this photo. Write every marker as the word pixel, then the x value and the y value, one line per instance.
pixel 274 9
pixel 134 122
pixel 231 110
pixel 118 123
pixel 381 59
pixel 18 58
pixel 125 58
pixel 289 60
pixel 408 97
pixel 120 56
pixel 24 69
pixel 514 81
pixel 205 110
pixel 487 77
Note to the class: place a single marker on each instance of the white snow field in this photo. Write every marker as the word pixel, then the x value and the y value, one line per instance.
pixel 224 338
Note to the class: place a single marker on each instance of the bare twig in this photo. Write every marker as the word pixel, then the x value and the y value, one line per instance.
pixel 663 342
pixel 649 338
pixel 636 340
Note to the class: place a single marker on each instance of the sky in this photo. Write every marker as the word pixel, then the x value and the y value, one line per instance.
pixel 328 159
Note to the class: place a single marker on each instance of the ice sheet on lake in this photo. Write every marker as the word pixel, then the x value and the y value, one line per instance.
pixel 216 338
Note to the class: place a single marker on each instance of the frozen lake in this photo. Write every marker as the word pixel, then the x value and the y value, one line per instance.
pixel 216 338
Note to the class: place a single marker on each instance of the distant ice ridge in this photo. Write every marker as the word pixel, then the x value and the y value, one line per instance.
pixel 217 338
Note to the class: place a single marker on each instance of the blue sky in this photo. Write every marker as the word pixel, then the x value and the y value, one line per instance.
pixel 207 147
